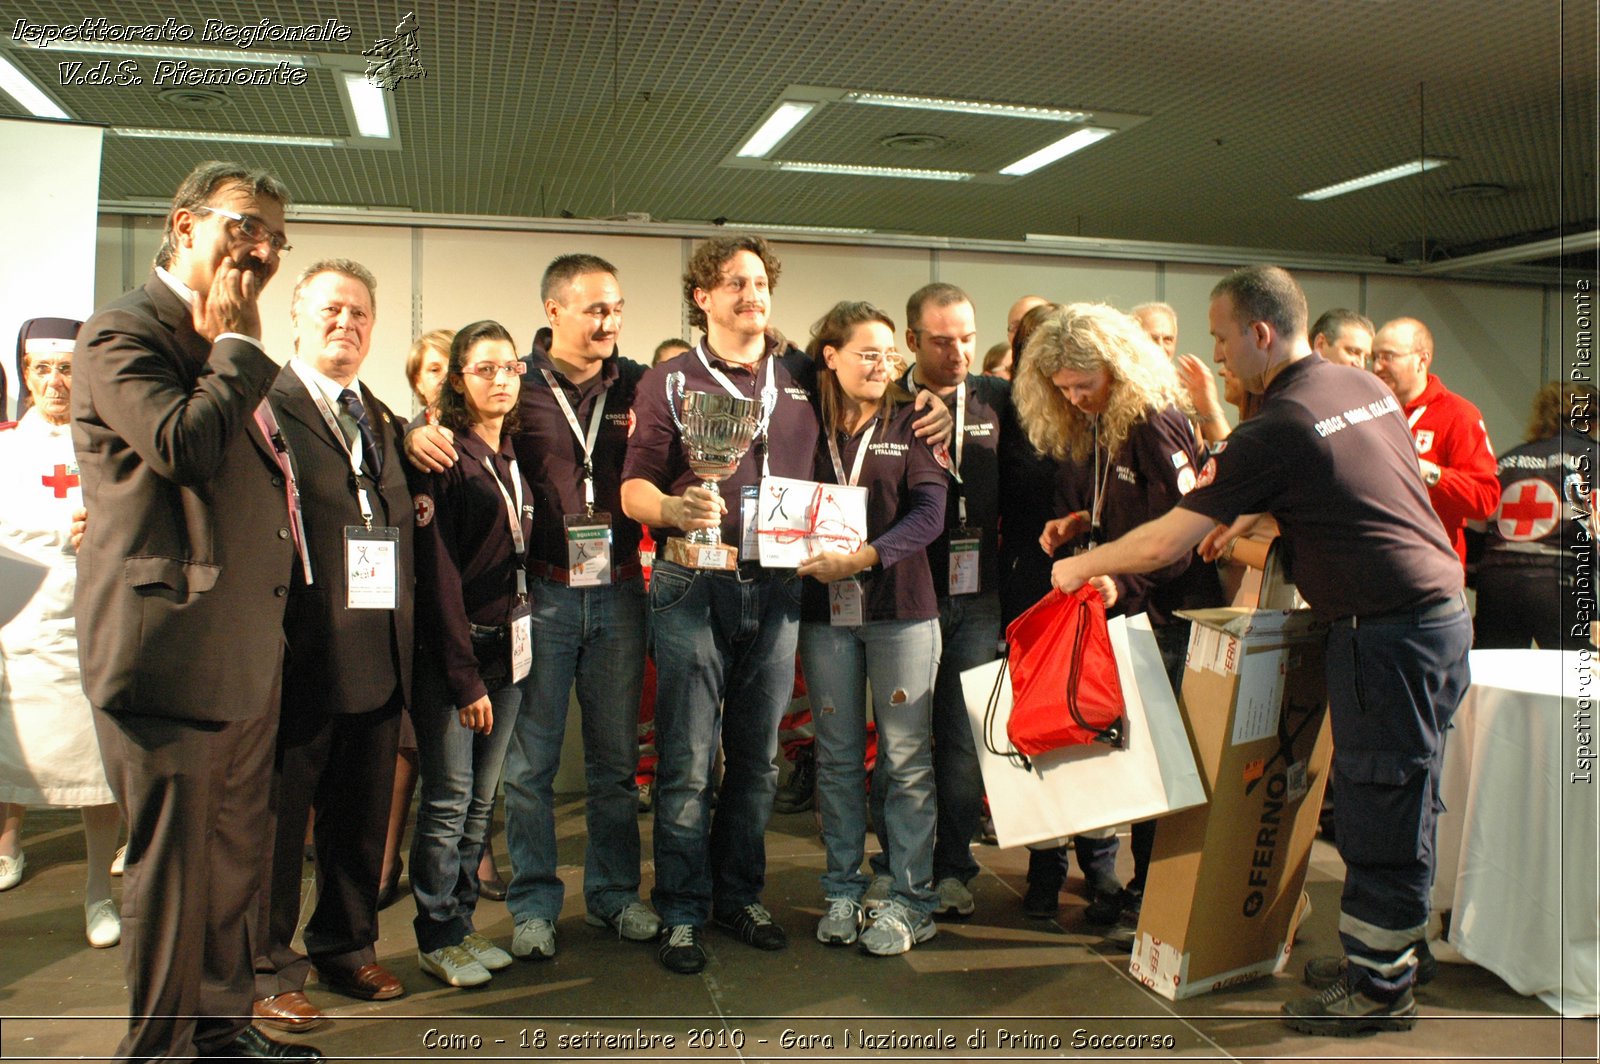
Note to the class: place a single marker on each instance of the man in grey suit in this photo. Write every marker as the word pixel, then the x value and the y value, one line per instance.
pixel 183 574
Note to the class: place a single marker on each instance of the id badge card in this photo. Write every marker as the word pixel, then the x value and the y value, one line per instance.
pixel 845 609
pixel 371 565
pixel 521 642
pixel 749 499
pixel 588 549
pixel 966 550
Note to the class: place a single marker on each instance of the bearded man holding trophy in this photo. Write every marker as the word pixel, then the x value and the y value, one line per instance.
pixel 708 427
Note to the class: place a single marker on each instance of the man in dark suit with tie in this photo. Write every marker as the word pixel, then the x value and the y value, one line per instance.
pixel 347 676
pixel 183 575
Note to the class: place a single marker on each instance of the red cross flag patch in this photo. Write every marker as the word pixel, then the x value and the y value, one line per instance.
pixel 1207 475
pixel 423 504
pixel 1529 510
pixel 941 454
pixel 60 479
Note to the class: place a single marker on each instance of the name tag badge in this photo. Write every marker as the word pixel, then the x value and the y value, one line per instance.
pixel 966 549
pixel 845 606
pixel 371 565
pixel 588 549
pixel 749 542
pixel 521 642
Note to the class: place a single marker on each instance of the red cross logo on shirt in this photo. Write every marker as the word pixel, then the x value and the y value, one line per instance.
pixel 60 480
pixel 1528 510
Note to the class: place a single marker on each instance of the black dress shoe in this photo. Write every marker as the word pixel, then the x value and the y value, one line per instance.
pixel 253 1045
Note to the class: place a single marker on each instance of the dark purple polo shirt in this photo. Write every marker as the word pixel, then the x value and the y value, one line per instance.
pixel 1330 456
pixel 656 454
pixel 466 564
pixel 552 458
pixel 989 414
pixel 896 462
pixel 1159 461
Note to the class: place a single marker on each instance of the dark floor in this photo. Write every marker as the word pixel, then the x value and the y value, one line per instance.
pixel 1031 989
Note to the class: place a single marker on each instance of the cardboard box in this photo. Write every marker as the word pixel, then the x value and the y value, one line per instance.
pixel 1225 882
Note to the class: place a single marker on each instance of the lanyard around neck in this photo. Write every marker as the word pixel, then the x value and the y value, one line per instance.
pixel 861 454
pixel 351 451
pixel 514 514
pixel 586 442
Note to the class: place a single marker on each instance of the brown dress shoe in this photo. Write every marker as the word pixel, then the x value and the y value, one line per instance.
pixel 370 982
pixel 292 1012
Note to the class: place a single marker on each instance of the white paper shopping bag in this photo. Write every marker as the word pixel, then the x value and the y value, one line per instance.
pixel 1080 788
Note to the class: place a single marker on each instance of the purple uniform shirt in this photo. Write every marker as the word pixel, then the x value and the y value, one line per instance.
pixel 896 463
pixel 1329 455
pixel 656 454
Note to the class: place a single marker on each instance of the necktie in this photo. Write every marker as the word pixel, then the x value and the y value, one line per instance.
pixel 372 452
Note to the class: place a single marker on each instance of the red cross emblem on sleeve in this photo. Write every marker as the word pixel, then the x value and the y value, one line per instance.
pixel 1529 509
pixel 60 481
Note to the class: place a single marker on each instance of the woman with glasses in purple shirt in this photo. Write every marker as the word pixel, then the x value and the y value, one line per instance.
pixel 870 613
pixel 473 525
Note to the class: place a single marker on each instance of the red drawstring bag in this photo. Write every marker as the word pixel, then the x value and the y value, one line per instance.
pixel 1064 685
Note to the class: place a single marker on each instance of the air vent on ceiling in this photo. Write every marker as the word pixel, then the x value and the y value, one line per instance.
pixel 191 99
pixel 913 141
pixel 1477 190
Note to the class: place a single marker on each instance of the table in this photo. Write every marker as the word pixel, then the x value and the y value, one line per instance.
pixel 1518 841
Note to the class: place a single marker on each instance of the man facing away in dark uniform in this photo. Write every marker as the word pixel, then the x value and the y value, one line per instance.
pixel 1330 457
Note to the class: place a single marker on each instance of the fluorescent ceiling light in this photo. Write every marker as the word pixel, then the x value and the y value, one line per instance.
pixel 1077 140
pixel 21 88
pixel 367 103
pixel 1416 166
pixel 231 56
pixel 783 228
pixel 975 107
pixel 789 114
pixel 293 140
pixel 876 171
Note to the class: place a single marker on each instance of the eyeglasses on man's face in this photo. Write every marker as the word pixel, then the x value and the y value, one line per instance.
pixel 251 228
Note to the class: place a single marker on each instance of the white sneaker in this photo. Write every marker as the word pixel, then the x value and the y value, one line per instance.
pixel 486 953
pixel 634 922
pixel 119 859
pixel 102 924
pixel 896 930
pixel 11 870
pixel 841 924
pixel 454 965
pixel 533 940
pixel 954 898
pixel 877 893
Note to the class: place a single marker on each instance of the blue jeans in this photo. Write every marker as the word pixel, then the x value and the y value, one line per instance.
pixel 460 770
pixel 724 650
pixel 1392 689
pixel 901 659
pixel 969 626
pixel 595 635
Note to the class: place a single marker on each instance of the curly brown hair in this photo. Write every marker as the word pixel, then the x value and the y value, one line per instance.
pixel 705 267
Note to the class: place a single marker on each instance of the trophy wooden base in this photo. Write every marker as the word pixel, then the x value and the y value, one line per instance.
pixel 699 556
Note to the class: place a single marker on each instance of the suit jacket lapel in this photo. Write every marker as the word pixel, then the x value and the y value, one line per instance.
pixel 292 399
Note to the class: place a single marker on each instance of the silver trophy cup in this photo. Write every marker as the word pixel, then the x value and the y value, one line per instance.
pixel 716 430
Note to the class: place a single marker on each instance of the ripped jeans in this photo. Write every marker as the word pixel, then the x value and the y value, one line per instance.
pixel 901 660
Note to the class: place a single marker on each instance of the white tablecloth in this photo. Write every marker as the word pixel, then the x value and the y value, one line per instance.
pixel 1519 840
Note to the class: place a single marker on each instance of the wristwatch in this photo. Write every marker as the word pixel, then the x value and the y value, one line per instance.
pixel 1430 475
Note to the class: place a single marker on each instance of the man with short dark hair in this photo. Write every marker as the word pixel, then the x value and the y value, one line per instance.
pixel 941 332
pixel 183 575
pixel 1453 451
pixel 347 677
pixel 588 612
pixel 1328 455
pixel 1343 337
